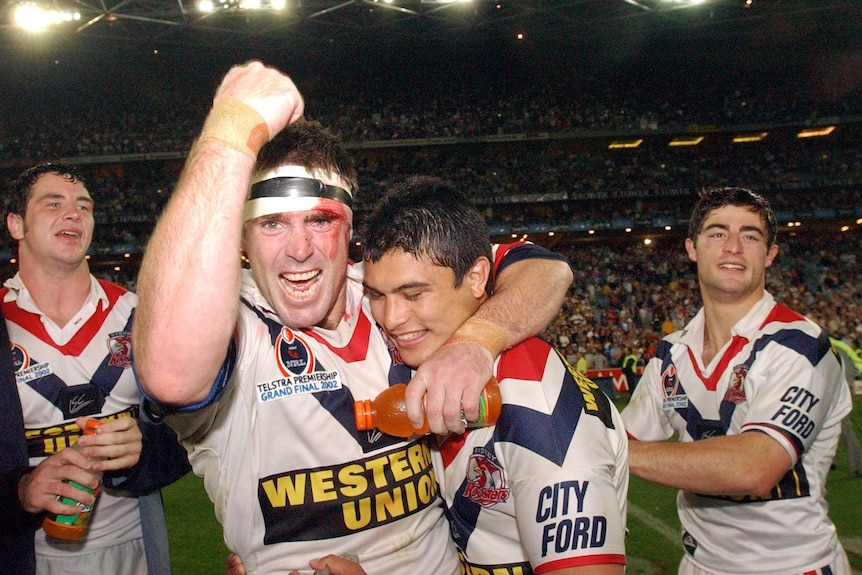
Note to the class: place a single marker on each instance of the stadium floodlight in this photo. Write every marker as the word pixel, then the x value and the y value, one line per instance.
pixel 816 132
pixel 686 141
pixel 233 5
pixel 33 17
pixel 625 144
pixel 744 138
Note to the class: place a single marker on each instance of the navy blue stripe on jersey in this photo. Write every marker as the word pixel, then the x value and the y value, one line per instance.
pixel 696 425
pixel 76 398
pixel 811 348
pixel 518 424
pixel 106 375
pixel 273 326
pixel 464 511
pixel 338 402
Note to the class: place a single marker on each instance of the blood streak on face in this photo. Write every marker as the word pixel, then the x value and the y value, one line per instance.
pixel 299 260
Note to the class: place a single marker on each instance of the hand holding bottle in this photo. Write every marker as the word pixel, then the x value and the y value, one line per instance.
pixel 72 525
pixel 42 488
pixel 116 445
pixel 388 411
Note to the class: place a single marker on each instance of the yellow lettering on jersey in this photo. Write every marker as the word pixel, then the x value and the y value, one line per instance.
pixel 353 482
pixel 419 455
pixel 586 385
pixel 368 493
pixel 468 569
pixel 390 504
pixel 283 489
pixel 58 437
pixel 322 487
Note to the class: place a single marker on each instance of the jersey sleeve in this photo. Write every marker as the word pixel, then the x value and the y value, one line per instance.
pixel 570 518
pixel 794 390
pixel 569 485
pixel 508 254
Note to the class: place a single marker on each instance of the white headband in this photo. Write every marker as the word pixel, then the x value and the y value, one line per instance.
pixel 293 189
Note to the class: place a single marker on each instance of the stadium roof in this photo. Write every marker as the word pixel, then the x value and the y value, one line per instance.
pixel 304 23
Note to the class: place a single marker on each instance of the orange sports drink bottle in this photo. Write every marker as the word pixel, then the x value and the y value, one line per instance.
pixel 388 412
pixel 73 527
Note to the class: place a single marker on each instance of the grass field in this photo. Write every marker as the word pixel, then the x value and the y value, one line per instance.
pixel 652 544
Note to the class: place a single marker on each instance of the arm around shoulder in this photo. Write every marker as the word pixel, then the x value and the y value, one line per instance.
pixel 527 296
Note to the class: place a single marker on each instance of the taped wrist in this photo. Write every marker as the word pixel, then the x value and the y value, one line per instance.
pixel 236 124
pixel 488 334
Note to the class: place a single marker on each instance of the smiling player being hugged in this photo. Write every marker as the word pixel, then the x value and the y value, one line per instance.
pixel 544 489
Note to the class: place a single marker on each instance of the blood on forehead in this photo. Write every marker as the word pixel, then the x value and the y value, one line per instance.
pixel 334 208
pixel 291 208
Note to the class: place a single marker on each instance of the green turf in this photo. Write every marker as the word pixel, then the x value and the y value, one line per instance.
pixel 197 547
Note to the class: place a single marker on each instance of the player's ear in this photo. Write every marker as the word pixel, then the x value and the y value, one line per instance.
pixel 478 276
pixel 15 225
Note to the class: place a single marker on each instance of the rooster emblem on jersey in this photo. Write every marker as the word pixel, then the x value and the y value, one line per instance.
pixel 120 346
pixel 486 482
pixel 736 391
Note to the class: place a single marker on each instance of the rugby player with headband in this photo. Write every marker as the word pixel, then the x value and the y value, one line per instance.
pixel 259 368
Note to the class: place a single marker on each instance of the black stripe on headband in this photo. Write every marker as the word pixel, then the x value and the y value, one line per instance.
pixel 294 187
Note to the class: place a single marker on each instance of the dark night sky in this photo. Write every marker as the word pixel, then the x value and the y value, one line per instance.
pixel 820 50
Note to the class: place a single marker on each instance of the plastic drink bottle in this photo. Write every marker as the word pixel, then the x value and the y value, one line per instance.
pixel 73 527
pixel 388 412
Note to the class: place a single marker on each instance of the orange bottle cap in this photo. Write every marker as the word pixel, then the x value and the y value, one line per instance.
pixel 362 415
pixel 91 426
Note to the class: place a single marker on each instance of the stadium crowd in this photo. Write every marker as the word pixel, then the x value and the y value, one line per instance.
pixel 625 297
pixel 518 185
pixel 483 107
pixel 628 296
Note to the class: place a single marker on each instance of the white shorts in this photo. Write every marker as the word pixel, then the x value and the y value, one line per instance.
pixel 123 559
pixel 839 566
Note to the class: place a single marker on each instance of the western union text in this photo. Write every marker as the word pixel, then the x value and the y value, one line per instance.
pixel 356 496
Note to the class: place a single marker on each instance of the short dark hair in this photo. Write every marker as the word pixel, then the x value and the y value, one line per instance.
pixel 714 198
pixel 20 190
pixel 426 216
pixel 310 145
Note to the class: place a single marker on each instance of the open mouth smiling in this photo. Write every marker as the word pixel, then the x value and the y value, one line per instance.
pixel 300 284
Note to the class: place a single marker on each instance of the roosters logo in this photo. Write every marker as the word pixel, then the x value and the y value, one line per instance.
pixel 120 345
pixel 736 391
pixel 486 483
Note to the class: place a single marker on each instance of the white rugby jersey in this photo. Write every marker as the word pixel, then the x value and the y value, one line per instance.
pixel 545 488
pixel 290 476
pixel 82 369
pixel 778 375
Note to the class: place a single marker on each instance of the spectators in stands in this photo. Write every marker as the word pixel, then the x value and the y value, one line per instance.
pixel 622 298
pixel 483 107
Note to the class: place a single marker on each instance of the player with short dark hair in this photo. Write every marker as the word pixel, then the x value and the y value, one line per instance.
pixel 71 348
pixel 756 394
pixel 543 490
